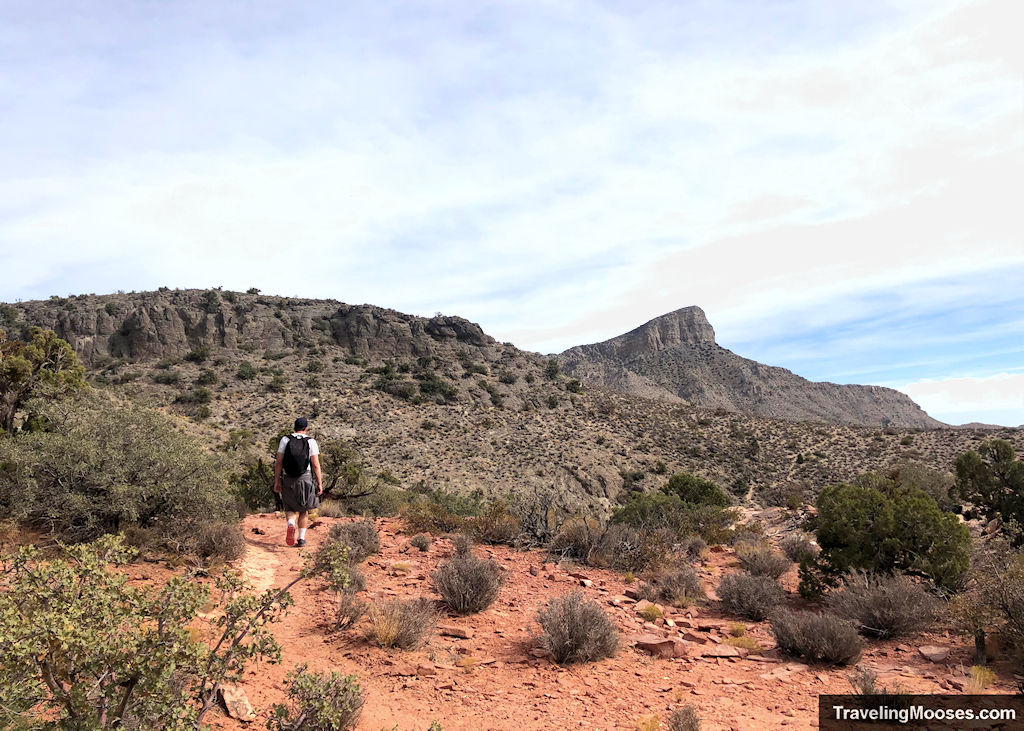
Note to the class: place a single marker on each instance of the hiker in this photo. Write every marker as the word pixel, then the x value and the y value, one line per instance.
pixel 293 480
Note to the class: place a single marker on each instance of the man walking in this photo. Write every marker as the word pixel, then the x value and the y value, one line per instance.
pixel 294 481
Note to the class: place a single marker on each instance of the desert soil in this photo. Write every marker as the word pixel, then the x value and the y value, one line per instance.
pixel 495 679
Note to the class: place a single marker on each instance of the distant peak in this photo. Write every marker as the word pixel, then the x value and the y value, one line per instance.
pixel 685 326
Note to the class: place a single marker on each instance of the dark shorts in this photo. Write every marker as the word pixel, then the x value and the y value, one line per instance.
pixel 298 494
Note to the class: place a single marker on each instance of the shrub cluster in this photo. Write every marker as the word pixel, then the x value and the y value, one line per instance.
pixel 420 541
pixel 799 548
pixel 882 527
pixel 746 595
pixel 467 584
pixel 684 719
pixel 884 606
pixel 576 629
pixel 679 587
pixel 360 536
pixel 105 466
pixel 816 637
pixel 331 702
pixel 760 559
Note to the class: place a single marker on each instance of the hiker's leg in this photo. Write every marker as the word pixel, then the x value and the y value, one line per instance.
pixel 303 520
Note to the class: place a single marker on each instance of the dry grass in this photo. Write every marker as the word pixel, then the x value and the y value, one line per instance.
pixel 402 624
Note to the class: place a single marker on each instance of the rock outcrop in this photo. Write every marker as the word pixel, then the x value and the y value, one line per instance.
pixel 149 326
pixel 675 358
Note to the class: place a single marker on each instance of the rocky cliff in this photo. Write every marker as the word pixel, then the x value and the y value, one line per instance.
pixel 148 326
pixel 675 358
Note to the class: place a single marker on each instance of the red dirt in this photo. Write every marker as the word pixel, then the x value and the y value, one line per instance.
pixel 506 687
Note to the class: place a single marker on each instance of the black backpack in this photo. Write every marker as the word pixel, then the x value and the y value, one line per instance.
pixel 296 456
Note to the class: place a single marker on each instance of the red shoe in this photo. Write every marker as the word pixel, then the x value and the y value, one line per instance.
pixel 289 537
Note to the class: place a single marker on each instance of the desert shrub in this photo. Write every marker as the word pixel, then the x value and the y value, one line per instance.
pixel 105 465
pixel 684 719
pixel 331 509
pixel 816 637
pixel 575 538
pixel 350 610
pixel 467 584
pixel 760 559
pixel 661 511
pixel 497 524
pixel 360 535
pixel 420 541
pixel 167 378
pixel 799 548
pixel 753 597
pixel 384 501
pixel 647 590
pixel 627 549
pixel 41 367
pixel 462 545
pixel 692 547
pixel 254 486
pixel 246 371
pixel 575 629
pixel 651 612
pixel 993 601
pixel 441 511
pixel 751 531
pixel 219 540
pixel 680 586
pixel 198 354
pixel 207 377
pixel 402 624
pixel 696 490
pixel 327 702
pixel 884 529
pixel 992 480
pixel 124 655
pixel 884 606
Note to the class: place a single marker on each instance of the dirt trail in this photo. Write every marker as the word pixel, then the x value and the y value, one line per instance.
pixel 504 686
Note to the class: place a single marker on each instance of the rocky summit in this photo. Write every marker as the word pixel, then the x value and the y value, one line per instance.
pixel 675 358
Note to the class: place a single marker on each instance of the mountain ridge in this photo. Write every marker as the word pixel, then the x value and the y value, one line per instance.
pixel 675 357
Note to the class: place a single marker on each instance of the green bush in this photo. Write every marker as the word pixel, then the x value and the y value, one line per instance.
pixel 83 649
pixel 246 371
pixel 44 367
pixel 167 378
pixel 498 524
pixel 899 530
pixel 575 629
pixel 254 486
pixel 207 377
pixel 660 511
pixel 696 490
pixel 106 465
pixel 198 354
pixel 328 702
pixel 992 479
pixel 816 637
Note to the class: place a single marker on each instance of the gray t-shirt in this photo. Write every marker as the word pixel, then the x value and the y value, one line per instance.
pixel 314 448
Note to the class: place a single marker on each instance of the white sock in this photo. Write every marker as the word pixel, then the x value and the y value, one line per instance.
pixel 291 522
pixel 302 534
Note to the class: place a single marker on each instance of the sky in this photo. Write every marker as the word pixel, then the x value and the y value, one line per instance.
pixel 837 184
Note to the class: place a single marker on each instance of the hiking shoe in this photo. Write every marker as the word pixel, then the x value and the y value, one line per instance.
pixel 289 537
pixel 300 543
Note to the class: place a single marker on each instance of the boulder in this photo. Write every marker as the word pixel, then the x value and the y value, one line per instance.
pixel 236 704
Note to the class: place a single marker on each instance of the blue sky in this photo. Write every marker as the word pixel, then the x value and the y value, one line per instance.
pixel 837 184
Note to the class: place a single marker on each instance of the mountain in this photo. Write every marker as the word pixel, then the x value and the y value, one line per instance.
pixel 675 358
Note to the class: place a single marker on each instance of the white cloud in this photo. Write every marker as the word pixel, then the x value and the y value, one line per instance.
pixel 559 172
pixel 1003 392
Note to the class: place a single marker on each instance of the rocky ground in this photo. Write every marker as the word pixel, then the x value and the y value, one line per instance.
pixel 485 671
